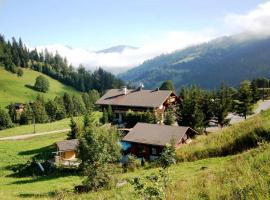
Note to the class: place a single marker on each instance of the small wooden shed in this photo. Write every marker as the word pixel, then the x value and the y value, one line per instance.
pixel 67 149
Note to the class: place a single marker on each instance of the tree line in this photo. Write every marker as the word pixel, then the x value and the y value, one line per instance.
pixel 42 111
pixel 14 56
pixel 198 107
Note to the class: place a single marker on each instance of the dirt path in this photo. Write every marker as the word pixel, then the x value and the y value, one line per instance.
pixel 26 136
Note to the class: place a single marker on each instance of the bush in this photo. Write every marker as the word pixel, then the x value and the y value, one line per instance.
pixel 19 72
pixel 42 84
pixel 131 118
pixel 132 164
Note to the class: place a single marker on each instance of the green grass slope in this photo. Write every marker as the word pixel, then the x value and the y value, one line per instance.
pixel 13 89
pixel 242 173
pixel 231 140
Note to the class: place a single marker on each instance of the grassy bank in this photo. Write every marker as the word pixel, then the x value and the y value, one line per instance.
pixel 230 140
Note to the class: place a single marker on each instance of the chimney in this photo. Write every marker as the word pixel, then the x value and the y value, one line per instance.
pixel 124 88
pixel 141 86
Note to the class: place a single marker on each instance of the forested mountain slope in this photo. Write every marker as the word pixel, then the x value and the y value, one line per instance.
pixel 231 59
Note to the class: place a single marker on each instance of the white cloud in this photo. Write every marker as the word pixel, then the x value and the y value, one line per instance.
pixel 256 21
pixel 130 57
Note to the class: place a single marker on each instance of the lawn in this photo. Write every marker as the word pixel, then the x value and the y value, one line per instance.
pixel 58 125
pixel 13 88
pixel 15 152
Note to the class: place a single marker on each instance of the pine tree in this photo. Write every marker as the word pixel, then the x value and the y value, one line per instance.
pixel 14 115
pixel 51 109
pixel 243 105
pixel 79 106
pixel 61 111
pixel 167 85
pixel 39 111
pixel 5 121
pixel 169 116
pixel 222 105
pixel 74 132
pixel 198 119
pixel 69 106
pixel 255 92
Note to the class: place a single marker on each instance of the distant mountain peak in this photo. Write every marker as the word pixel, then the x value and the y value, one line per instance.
pixel 116 49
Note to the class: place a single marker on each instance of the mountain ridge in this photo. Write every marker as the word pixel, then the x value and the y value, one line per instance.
pixel 231 59
pixel 116 49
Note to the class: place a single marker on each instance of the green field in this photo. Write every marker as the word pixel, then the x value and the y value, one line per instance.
pixel 13 89
pixel 243 175
pixel 53 126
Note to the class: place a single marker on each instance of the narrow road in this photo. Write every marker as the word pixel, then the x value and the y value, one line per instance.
pixel 264 105
pixel 26 136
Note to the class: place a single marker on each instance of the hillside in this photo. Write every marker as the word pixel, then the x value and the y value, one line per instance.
pixel 13 88
pixel 207 175
pixel 232 59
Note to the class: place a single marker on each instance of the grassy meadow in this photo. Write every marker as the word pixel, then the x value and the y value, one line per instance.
pixel 217 173
pixel 13 88
pixel 53 126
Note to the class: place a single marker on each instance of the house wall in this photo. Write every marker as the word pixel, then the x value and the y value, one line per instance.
pixel 68 155
pixel 145 151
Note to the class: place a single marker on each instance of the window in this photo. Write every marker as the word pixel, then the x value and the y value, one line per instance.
pixel 154 151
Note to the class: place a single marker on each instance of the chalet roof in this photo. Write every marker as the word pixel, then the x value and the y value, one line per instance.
pixel 67 145
pixel 136 98
pixel 155 134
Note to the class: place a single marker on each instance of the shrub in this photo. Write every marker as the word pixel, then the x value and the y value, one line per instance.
pixel 42 84
pixel 132 163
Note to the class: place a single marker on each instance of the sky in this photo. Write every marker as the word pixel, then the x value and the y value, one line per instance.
pixel 154 26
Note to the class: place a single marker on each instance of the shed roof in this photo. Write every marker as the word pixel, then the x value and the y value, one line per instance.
pixel 68 145
pixel 155 134
pixel 136 98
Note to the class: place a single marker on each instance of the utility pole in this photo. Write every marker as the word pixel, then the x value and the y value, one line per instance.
pixel 34 122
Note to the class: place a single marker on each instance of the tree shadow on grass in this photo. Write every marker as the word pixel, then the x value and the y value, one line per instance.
pixel 31 87
pixel 42 150
pixel 37 196
pixel 27 169
pixel 60 173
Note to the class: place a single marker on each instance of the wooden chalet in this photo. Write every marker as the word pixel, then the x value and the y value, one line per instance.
pixel 67 152
pixel 138 100
pixel 148 140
